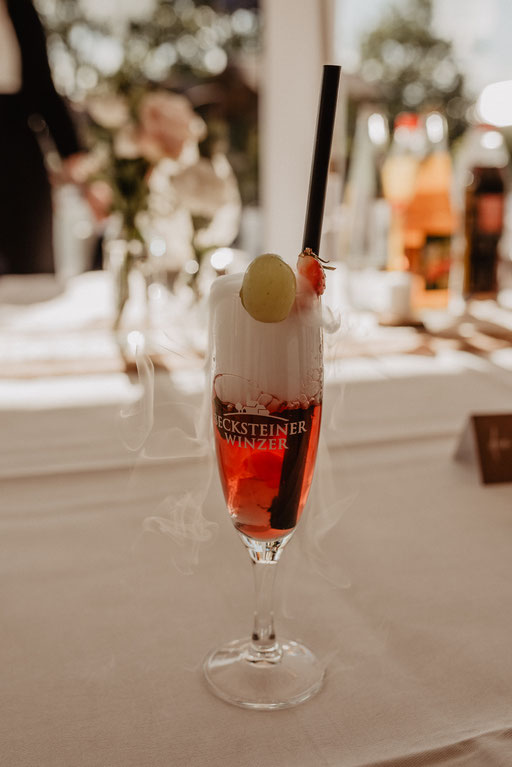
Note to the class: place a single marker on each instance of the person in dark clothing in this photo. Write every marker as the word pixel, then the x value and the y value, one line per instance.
pixel 26 90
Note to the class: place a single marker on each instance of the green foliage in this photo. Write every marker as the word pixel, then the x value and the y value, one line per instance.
pixel 130 191
pixel 184 45
pixel 180 38
pixel 415 69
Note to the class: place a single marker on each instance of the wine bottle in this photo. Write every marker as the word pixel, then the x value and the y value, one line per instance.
pixel 484 214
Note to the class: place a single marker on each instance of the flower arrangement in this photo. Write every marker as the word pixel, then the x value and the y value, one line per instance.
pixel 131 137
pixel 152 167
pixel 145 172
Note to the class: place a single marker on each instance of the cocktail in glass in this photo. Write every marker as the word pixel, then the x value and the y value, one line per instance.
pixel 267 381
pixel 267 385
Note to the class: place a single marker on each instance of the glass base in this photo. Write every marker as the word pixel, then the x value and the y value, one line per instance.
pixel 291 676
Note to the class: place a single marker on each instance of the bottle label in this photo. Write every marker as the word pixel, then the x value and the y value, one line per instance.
pixel 489 213
pixel 436 263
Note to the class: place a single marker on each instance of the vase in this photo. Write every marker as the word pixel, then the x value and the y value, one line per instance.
pixel 128 264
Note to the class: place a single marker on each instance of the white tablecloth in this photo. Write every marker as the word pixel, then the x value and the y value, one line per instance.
pixel 407 598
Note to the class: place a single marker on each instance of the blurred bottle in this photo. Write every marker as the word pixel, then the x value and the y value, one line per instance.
pixel 484 211
pixel 330 245
pixel 399 176
pixel 430 220
pixel 380 210
pixel 363 189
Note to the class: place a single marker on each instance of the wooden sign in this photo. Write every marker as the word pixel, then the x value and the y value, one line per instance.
pixel 489 438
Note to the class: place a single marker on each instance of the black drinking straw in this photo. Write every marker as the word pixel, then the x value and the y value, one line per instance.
pixel 284 507
pixel 321 157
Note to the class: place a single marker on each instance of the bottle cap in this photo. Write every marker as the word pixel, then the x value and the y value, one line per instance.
pixel 407 120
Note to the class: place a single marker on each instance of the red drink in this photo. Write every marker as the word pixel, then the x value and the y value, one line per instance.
pixel 266 463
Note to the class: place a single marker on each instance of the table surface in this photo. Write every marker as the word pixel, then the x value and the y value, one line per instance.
pixel 120 569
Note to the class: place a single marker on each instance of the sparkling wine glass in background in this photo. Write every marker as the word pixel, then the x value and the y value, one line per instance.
pixel 267 400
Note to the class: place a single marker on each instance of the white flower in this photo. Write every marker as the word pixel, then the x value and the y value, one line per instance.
pixel 209 190
pixel 207 186
pixel 168 120
pixel 108 110
pixel 222 229
pixel 168 128
pixel 162 199
pixel 177 231
pixel 126 143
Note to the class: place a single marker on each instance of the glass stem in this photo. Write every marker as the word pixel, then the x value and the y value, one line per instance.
pixel 264 646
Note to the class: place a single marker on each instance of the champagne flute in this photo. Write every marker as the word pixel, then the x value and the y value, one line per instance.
pixel 267 387
pixel 267 401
